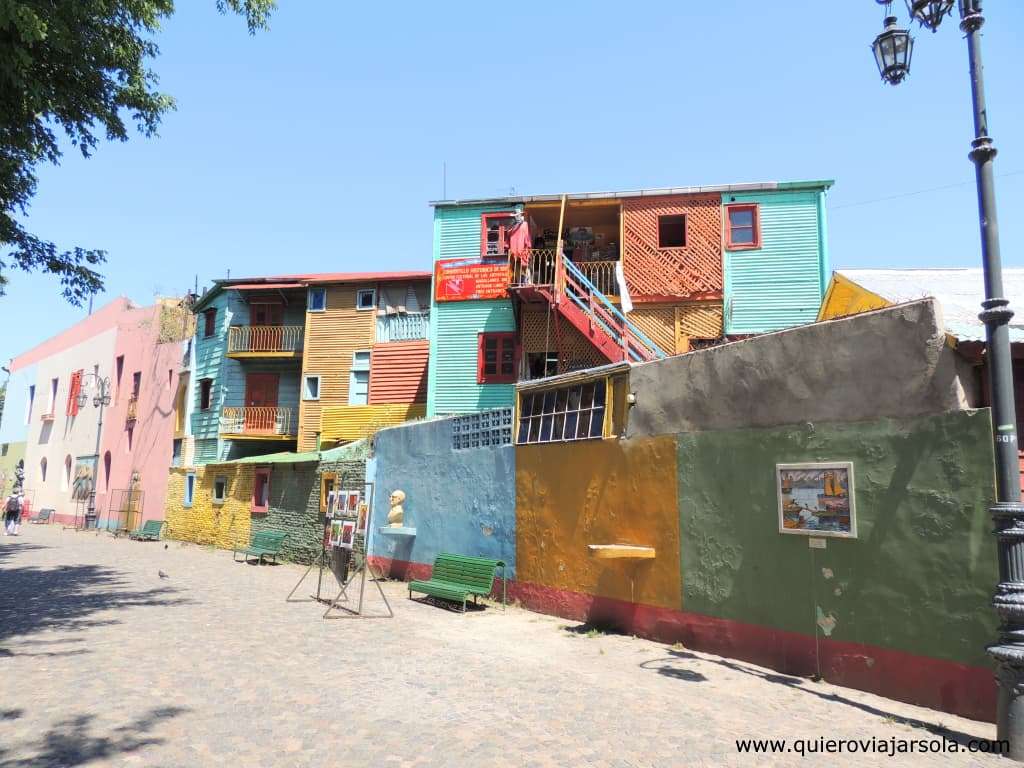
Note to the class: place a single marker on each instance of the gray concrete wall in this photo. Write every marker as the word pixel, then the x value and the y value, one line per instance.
pixel 893 362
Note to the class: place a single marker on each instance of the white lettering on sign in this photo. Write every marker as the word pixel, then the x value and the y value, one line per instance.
pixel 817 543
pixel 1006 438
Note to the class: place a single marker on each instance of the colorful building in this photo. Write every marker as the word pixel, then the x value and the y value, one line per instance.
pixel 530 286
pixel 110 472
pixel 296 362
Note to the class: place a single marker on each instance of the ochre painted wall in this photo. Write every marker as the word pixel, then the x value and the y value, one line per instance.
pixel 332 337
pixel 353 422
pixel 844 297
pixel 570 495
pixel 224 525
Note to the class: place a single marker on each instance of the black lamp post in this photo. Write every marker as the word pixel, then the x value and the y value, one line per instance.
pixel 100 400
pixel 1008 512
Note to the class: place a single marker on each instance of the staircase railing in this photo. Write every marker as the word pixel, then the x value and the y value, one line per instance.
pixel 637 347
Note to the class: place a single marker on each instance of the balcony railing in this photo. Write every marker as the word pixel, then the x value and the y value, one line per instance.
pixel 258 420
pixel 411 327
pixel 539 269
pixel 264 338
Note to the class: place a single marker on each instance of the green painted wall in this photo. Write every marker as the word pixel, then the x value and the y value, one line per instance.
pixel 919 578
pixel 454 325
pixel 10 455
pixel 780 284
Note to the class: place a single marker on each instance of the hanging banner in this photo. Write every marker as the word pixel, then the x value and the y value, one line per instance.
pixel 473 278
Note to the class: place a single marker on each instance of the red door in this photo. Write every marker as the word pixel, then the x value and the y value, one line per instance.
pixel 266 322
pixel 261 402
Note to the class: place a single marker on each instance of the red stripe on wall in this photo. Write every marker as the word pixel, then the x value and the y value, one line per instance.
pixel 928 682
pixel 398 372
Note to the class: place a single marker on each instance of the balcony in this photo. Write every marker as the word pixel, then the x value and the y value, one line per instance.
pixel 266 341
pixel 410 327
pixel 48 416
pixel 133 409
pixel 539 270
pixel 259 422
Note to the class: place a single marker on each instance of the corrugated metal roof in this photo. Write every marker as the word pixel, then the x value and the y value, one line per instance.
pixel 354 449
pixel 756 186
pixel 571 377
pixel 263 286
pixel 958 291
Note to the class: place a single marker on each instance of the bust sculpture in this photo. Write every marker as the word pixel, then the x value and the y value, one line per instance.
pixel 396 514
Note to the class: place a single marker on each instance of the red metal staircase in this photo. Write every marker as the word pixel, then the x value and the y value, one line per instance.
pixel 553 279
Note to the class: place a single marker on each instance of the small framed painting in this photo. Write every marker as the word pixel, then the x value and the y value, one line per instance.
pixel 817 499
pixel 348 534
pixel 336 533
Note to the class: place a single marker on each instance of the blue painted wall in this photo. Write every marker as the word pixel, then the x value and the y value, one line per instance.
pixel 209 364
pixel 454 325
pixel 458 501
pixel 780 284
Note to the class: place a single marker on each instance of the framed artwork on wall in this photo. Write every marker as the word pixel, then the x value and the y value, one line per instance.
pixel 817 499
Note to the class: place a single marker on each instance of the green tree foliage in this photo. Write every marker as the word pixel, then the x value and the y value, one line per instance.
pixel 77 68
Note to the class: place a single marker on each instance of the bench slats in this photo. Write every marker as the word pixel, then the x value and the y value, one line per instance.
pixel 455 577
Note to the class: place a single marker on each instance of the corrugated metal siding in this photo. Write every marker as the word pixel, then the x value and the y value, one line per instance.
pixel 454 325
pixel 205 451
pixel 332 336
pixel 778 285
pixel 453 356
pixel 398 372
pixel 209 363
pixel 352 422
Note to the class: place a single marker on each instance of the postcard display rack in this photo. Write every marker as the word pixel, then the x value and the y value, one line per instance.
pixel 343 553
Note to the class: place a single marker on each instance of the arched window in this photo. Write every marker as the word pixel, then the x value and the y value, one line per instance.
pixel 106 471
pixel 42 470
pixel 65 480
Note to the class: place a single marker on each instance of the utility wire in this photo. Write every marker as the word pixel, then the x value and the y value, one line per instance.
pixel 918 192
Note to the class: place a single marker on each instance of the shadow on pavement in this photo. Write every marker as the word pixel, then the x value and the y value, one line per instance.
pixel 35 599
pixel 70 742
pixel 673 667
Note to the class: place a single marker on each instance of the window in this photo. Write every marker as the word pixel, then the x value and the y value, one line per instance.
pixel 261 490
pixel 31 402
pixel 209 322
pixel 317 299
pixel 359 378
pixel 311 387
pixel 118 370
pixel 366 298
pixel 743 227
pixel 4 448
pixel 42 470
pixel 220 489
pixel 672 231
pixel 170 378
pixel 190 489
pixel 54 384
pixel 205 392
pixel 136 384
pixel 65 480
pixel 328 482
pixel 574 412
pixel 175 453
pixel 496 358
pixel 494 233
pixel 106 470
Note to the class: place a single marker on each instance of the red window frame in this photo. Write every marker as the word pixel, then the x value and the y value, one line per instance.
pixel 753 208
pixel 503 233
pixel 205 394
pixel 209 322
pixel 261 479
pixel 506 341
pixel 686 231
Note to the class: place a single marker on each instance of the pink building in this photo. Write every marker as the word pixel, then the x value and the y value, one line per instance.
pixel 115 472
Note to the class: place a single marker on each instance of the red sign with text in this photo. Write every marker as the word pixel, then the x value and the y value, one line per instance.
pixel 464 279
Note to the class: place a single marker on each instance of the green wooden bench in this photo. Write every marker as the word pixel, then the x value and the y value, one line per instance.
pixel 150 531
pixel 456 577
pixel 42 517
pixel 262 544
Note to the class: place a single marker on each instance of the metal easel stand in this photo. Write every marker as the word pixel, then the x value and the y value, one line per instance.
pixel 345 612
pixel 321 562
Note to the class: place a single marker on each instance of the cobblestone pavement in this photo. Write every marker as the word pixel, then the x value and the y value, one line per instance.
pixel 104 662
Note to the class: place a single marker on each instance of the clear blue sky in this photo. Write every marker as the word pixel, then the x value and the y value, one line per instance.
pixel 316 146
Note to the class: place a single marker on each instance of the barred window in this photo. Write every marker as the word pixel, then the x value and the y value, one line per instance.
pixel 573 412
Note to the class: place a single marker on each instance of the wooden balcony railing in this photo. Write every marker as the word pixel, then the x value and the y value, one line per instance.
pixel 601 274
pixel 258 420
pixel 539 269
pixel 264 338
pixel 410 327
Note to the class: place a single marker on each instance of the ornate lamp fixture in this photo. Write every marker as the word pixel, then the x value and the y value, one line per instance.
pixel 893 49
pixel 929 13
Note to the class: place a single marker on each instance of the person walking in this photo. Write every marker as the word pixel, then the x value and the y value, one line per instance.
pixel 12 515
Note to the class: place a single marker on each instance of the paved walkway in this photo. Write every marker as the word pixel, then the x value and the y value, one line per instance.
pixel 104 662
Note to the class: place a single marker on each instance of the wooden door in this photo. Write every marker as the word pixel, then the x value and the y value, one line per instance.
pixel 261 402
pixel 266 320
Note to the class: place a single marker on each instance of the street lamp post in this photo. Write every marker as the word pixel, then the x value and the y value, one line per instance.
pixel 1008 512
pixel 100 400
